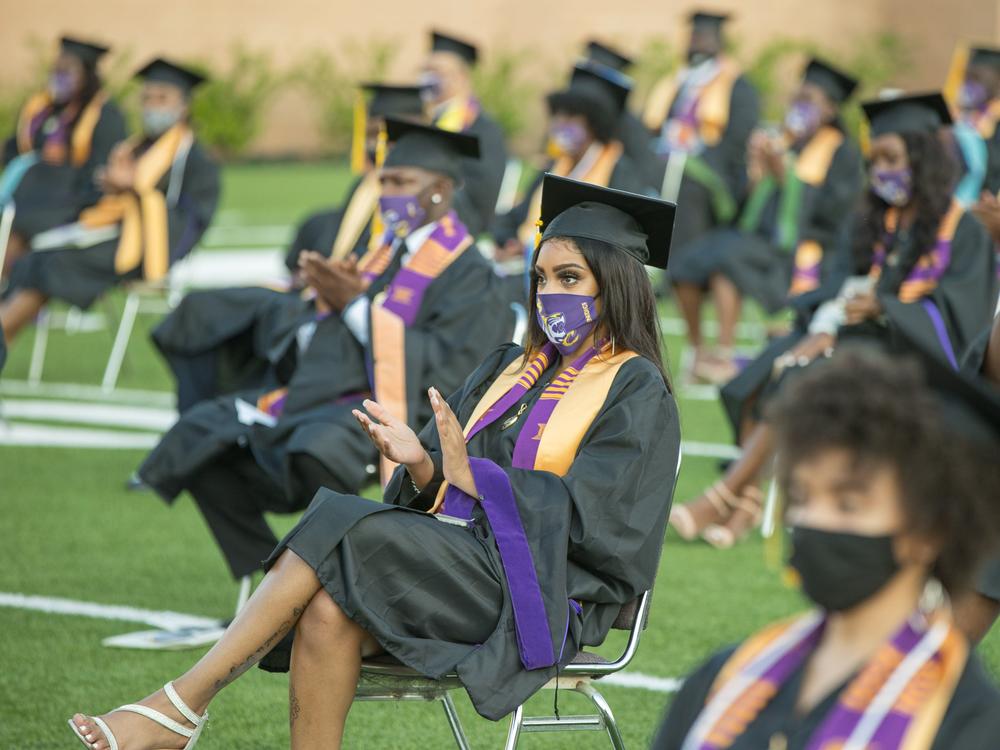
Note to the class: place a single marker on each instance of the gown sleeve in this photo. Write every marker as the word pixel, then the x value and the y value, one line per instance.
pixel 830 206
pixel 196 204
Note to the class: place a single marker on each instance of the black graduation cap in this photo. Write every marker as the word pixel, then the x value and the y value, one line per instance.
pixel 445 43
pixel 161 70
pixel 390 100
pixel 605 55
pixel 434 149
pixel 989 56
pixel 597 91
pixel 969 405
pixel 87 52
pixel 916 113
pixel 636 224
pixel 703 20
pixel 837 84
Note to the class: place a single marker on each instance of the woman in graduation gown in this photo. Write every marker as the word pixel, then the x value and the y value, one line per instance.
pixel 869 445
pixel 584 141
pixel 160 192
pixel 805 184
pixel 923 267
pixel 64 135
pixel 219 341
pixel 560 531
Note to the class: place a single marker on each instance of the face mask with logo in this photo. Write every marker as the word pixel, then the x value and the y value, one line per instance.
pixel 62 84
pixel 430 87
pixel 157 121
pixel 802 119
pixel 566 319
pixel 973 96
pixel 838 571
pixel 401 214
pixel 894 186
pixel 567 138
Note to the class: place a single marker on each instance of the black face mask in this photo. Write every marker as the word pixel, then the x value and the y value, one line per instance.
pixel 838 570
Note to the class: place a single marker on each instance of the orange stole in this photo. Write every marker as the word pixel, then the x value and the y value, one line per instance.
pixel 388 331
pixel 571 418
pixel 143 212
pixel 82 136
pixel 713 102
pixel 599 174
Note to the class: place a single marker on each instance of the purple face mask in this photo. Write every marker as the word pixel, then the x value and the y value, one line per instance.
pixel 802 119
pixel 430 87
pixel 973 96
pixel 894 186
pixel 566 319
pixel 568 137
pixel 401 213
pixel 61 86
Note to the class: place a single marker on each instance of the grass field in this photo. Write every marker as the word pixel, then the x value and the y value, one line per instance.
pixel 71 530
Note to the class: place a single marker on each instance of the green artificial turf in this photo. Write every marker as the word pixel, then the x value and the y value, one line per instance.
pixel 70 529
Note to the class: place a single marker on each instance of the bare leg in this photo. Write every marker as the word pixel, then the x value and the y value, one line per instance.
pixel 757 449
pixel 326 662
pixel 689 299
pixel 728 303
pixel 22 308
pixel 975 615
pixel 272 611
pixel 16 249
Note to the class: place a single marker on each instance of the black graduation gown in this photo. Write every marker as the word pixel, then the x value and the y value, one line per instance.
pixel 971 721
pixel 476 199
pixel 219 341
pixel 595 536
pixel 753 261
pixel 80 275
pixel 727 158
pixel 639 147
pixel 965 297
pixel 991 181
pixel 462 317
pixel 50 195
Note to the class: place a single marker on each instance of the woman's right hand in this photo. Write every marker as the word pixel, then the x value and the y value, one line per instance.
pixel 393 437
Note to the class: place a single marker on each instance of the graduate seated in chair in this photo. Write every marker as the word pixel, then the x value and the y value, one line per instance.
pixel 160 192
pixel 420 309
pixel 219 341
pixel 890 482
pixel 702 118
pixel 63 136
pixel 805 183
pixel 584 145
pixel 449 94
pixel 554 496
pixel 922 266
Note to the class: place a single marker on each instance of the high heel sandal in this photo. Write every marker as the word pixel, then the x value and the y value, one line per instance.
pixel 153 715
pixel 714 506
pixel 745 517
pixel 718 368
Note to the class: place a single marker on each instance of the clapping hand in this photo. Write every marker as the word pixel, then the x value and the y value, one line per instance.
pixel 396 441
pixel 337 282
pixel 454 456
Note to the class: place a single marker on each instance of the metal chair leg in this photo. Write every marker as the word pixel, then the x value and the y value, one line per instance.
pixel 38 348
pixel 515 728
pixel 125 327
pixel 454 722
pixel 604 709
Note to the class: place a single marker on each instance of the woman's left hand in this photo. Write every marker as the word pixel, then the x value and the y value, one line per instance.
pixel 454 456
pixel 862 307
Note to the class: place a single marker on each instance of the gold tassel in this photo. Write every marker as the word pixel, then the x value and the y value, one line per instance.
pixel 378 229
pixel 538 233
pixel 956 75
pixel 360 131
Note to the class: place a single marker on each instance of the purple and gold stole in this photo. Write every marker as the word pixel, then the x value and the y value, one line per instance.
pixel 710 113
pixel 548 441
pixel 60 143
pixel 897 702
pixel 142 212
pixel 395 309
pixel 458 116
pixel 927 272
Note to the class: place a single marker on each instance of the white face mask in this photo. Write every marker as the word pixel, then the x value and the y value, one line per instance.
pixel 156 121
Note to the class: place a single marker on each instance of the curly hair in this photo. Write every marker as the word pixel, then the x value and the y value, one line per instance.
pixel 628 312
pixel 592 104
pixel 880 409
pixel 934 173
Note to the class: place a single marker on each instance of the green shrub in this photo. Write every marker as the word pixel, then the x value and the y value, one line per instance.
pixel 505 92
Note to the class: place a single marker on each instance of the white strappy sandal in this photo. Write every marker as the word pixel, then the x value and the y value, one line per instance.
pixel 153 715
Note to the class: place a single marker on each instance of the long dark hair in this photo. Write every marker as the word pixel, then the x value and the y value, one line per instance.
pixel 628 305
pixel 934 172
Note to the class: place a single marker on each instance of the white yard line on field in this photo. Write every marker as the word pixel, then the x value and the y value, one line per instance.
pixel 44 436
pixel 81 392
pixel 83 413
